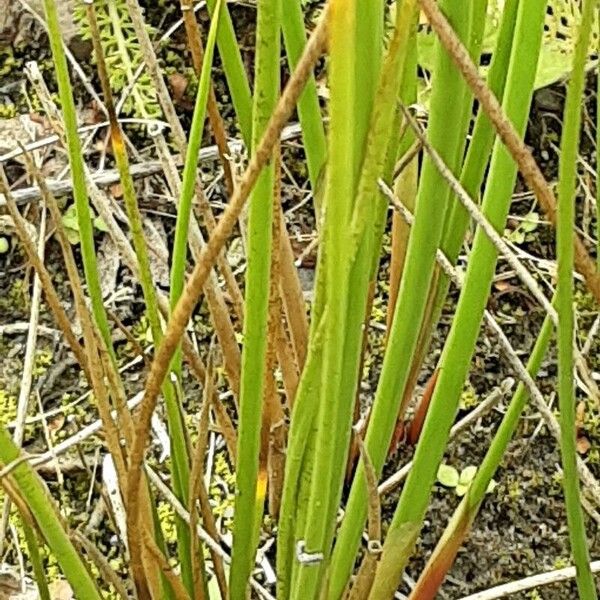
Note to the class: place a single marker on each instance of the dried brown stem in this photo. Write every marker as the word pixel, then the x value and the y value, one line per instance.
pixel 197 490
pixel 50 292
pixel 366 572
pixel 293 298
pixel 153 558
pixel 274 431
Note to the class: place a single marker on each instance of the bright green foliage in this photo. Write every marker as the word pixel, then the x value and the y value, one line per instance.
pixel 123 57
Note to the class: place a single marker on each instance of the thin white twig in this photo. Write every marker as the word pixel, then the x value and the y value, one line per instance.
pixel 506 590
pixel 110 176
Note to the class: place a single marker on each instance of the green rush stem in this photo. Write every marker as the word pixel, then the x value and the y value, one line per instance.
pixel 309 111
pixel 190 172
pixel 84 219
pixel 339 191
pixel 250 489
pixel 36 561
pixel 41 506
pixel 459 525
pixel 233 65
pixel 565 255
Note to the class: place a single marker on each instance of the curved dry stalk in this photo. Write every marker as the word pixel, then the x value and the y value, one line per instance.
pixel 184 308
pixel 532 174
pixel 101 562
pixel 153 555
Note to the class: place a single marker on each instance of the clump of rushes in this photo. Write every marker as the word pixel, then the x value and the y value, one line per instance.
pixel 369 138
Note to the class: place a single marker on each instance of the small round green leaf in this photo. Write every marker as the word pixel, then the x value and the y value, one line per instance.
pixel 467 474
pixel 491 486
pixel 447 476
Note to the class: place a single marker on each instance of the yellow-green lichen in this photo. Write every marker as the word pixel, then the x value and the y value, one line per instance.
pixel 8 407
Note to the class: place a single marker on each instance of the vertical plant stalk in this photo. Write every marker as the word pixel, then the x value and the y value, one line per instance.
pixel 337 207
pixel 299 446
pixel 39 572
pixel 233 65
pixel 220 316
pixel 292 297
pixel 377 152
pixel 220 134
pixel 567 174
pixel 405 186
pixel 219 311
pixel 274 429
pixel 189 170
pixel 367 65
pixel 196 485
pixel 510 137
pixel 309 111
pixel 458 528
pixel 250 483
pixel 366 572
pixel 84 220
pixel 177 432
pixel 216 122
pixel 472 175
